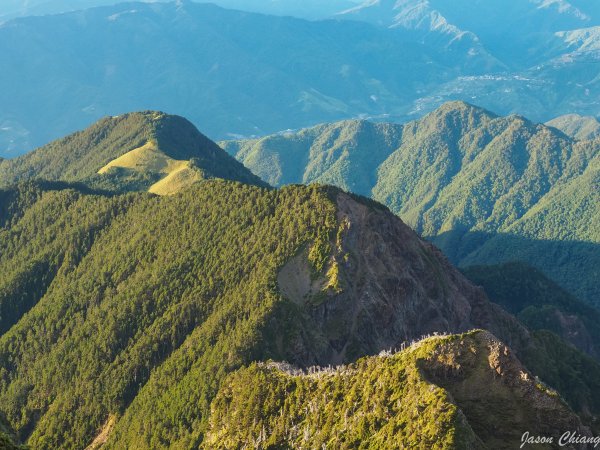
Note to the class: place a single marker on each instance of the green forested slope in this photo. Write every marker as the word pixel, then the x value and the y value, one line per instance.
pixel 7 437
pixel 345 154
pixel 81 156
pixel 441 393
pixel 164 275
pixel 45 233
pixel 483 188
pixel 149 302
pixel 122 313
pixel 560 235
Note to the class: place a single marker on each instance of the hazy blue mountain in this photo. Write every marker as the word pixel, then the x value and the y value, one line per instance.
pixel 510 29
pixel 548 49
pixel 576 126
pixel 186 58
pixel 484 188
pixel 17 8
pixel 229 72
pixel 309 9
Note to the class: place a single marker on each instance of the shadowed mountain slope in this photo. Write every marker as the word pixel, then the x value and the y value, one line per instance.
pixel 539 303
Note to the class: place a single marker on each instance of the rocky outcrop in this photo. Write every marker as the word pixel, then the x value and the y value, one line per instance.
pixel 385 286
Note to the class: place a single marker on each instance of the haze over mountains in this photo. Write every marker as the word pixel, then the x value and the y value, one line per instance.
pixel 188 59
pixel 391 60
pixel 308 9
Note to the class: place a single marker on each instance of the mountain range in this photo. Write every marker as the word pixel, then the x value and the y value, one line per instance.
pixel 482 187
pixel 365 259
pixel 307 9
pixel 383 60
pixel 135 320
pixel 189 57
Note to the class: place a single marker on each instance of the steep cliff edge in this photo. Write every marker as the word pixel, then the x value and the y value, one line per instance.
pixel 384 286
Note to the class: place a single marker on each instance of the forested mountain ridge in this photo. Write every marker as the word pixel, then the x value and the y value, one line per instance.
pixel 157 293
pixel 455 382
pixel 480 186
pixel 146 303
pixel 137 151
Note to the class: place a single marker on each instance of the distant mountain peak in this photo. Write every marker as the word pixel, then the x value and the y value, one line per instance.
pixel 462 176
pixel 462 106
pixel 147 150
pixel 563 7
pixel 578 127
pixel 456 117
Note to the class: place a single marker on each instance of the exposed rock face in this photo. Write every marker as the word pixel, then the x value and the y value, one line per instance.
pixel 385 286
pixel 499 397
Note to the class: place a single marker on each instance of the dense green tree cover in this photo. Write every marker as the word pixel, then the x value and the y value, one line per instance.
pixel 540 303
pixel 483 188
pixel 144 283
pixel 80 156
pixel 560 235
pixel 345 154
pixel 139 306
pixel 442 393
pixel 44 233
pixel 7 436
pixel 124 312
